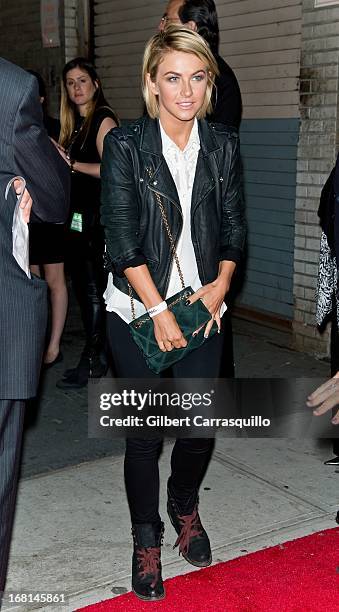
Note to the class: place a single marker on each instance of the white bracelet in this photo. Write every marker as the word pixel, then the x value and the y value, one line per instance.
pixel 155 310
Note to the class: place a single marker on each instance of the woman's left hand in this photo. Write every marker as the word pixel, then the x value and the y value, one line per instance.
pixel 325 398
pixel 212 295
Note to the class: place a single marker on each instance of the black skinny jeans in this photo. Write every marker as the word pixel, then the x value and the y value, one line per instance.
pixel 190 457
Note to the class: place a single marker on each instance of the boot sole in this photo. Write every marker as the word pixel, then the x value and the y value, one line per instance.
pixel 191 561
pixel 144 598
pixel 198 563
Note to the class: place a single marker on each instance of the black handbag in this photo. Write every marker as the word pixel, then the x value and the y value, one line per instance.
pixel 189 318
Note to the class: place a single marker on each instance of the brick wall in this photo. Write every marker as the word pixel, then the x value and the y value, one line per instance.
pixel 316 156
pixel 71 34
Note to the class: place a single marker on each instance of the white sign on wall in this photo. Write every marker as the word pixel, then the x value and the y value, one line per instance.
pixel 49 17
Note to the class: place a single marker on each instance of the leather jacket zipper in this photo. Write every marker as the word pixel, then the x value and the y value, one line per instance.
pixel 167 198
pixel 175 241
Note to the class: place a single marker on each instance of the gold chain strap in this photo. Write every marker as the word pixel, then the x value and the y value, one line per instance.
pixel 132 301
pixel 173 249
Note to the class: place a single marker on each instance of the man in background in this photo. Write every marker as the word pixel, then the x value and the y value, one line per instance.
pixel 27 152
pixel 201 16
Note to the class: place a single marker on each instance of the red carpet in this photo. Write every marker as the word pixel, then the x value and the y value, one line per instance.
pixel 297 576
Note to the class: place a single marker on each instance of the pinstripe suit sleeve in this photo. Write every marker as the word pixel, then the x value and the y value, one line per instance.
pixel 36 159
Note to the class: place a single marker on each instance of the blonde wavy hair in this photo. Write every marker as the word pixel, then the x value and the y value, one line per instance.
pixel 175 38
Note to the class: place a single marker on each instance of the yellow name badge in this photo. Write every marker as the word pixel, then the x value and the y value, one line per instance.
pixel 76 224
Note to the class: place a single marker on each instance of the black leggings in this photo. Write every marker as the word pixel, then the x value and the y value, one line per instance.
pixel 85 264
pixel 190 457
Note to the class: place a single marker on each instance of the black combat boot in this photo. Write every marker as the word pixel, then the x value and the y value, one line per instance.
pixel 193 541
pixel 146 564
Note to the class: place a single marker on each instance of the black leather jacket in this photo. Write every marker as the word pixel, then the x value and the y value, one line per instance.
pixel 133 169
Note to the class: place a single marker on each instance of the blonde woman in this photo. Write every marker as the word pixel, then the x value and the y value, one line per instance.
pixel 85 120
pixel 194 167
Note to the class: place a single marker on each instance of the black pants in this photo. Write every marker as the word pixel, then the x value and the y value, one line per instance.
pixel 11 425
pixel 190 457
pixel 227 369
pixel 335 365
pixel 85 264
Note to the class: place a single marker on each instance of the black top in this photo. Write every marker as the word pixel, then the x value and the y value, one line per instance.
pixel 85 190
pixel 52 126
pixel 226 99
pixel 328 210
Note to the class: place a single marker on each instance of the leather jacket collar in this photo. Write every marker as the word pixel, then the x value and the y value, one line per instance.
pixel 161 180
pixel 150 139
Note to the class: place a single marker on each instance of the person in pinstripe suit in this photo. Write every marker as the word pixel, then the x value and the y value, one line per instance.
pixel 26 151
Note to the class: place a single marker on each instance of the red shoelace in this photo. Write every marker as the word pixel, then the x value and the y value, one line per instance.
pixel 149 559
pixel 191 527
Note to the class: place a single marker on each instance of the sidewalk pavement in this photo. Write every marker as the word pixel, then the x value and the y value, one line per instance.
pixel 72 530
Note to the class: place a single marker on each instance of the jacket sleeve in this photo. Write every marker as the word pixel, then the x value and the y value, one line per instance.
pixel 37 160
pixel 119 204
pixel 233 226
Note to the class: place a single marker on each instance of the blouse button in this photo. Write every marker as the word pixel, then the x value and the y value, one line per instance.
pixel 155 182
pixel 221 179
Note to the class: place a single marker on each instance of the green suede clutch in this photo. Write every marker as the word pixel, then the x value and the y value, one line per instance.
pixel 189 318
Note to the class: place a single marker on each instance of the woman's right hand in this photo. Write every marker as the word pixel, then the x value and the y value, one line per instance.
pixel 167 332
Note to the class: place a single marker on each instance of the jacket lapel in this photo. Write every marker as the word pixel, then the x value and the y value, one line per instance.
pixel 160 178
pixel 162 182
pixel 204 180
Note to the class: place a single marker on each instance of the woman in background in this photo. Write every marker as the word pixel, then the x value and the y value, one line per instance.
pixel 85 118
